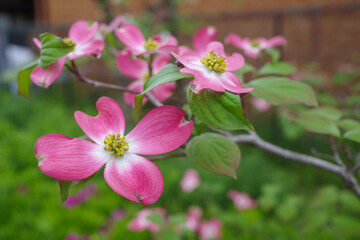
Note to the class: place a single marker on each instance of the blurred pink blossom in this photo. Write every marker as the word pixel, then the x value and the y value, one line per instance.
pixel 143 222
pixel 190 180
pixel 242 201
pixel 260 104
pixel 210 229
pixel 83 195
pixel 193 218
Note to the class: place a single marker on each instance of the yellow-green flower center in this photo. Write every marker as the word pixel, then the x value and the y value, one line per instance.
pixel 68 41
pixel 214 63
pixel 146 77
pixel 150 44
pixel 117 145
pixel 255 43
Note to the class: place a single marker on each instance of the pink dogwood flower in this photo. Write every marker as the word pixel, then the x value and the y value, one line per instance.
pixel 138 69
pixel 210 229
pixel 253 47
pixel 134 40
pixel 83 39
pixel 213 71
pixel 190 181
pixel 134 177
pixel 142 221
pixel 242 201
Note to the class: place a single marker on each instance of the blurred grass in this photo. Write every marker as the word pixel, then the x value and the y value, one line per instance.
pixel 295 201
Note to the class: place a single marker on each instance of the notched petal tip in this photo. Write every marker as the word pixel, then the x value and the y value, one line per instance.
pixel 40 158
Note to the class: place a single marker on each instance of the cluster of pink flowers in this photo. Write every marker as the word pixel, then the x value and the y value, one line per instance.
pixel 242 201
pixel 142 220
pixel 209 229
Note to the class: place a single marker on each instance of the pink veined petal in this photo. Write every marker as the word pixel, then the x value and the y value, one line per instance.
pixel 135 178
pixel 37 42
pixel 132 37
pixel 235 62
pixel 109 120
pixel 276 41
pixel 232 83
pixel 133 68
pixel 203 37
pixel 162 130
pixel 164 91
pixel 67 158
pixel 93 47
pixel 204 80
pixel 216 47
pixel 80 32
pixel 235 40
pixel 187 61
pixel 160 61
pixel 138 86
pixel 45 77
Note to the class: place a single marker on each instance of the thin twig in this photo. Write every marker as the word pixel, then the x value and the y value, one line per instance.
pixel 161 157
pixel 253 139
pixel 348 155
pixel 336 153
pixel 74 69
pixel 322 155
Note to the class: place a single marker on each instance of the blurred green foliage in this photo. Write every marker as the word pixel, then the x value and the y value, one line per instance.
pixel 294 201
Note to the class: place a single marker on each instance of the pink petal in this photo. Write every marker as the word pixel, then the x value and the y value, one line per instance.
pixel 187 61
pixel 80 32
pixel 93 47
pixel 160 61
pixel 37 42
pixel 204 80
pixel 168 46
pixel 276 41
pixel 138 86
pixel 253 53
pixel 235 40
pixel 216 47
pixel 162 130
pixel 132 37
pixel 45 77
pixel 115 23
pixel 235 62
pixel 134 178
pixel 133 68
pixel 203 37
pixel 164 91
pixel 66 158
pixel 232 83
pixel 109 120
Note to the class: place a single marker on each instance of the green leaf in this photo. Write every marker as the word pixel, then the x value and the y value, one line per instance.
pixel 277 68
pixel 169 73
pixel 274 53
pixel 215 153
pixel 353 134
pixel 218 110
pixel 326 113
pixel 24 80
pixel 348 124
pixel 281 91
pixel 52 48
pixel 65 187
pixel 316 124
